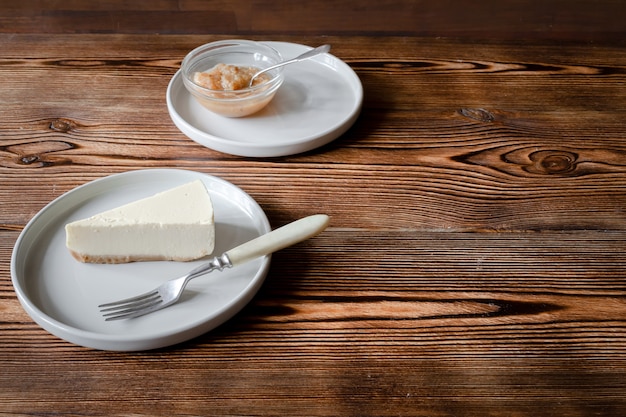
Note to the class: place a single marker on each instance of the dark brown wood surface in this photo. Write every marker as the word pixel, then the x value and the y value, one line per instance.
pixel 474 265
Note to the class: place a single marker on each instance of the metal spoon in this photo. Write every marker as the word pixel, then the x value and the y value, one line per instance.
pixel 308 54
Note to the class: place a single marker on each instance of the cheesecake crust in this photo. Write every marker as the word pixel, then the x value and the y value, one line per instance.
pixel 116 259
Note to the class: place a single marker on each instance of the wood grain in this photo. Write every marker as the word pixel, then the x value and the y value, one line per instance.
pixel 469 157
pixel 474 263
pixel 441 324
pixel 491 19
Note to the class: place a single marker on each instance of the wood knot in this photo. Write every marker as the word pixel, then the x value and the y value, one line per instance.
pixel 40 153
pixel 552 162
pixel 480 115
pixel 29 159
pixel 62 125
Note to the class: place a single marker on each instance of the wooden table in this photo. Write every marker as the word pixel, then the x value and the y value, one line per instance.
pixel 474 264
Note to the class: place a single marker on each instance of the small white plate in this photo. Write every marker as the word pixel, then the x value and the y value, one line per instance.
pixel 62 294
pixel 319 100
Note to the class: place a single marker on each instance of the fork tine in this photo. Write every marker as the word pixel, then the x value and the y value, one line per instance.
pixel 131 300
pixel 135 311
pixel 132 307
pixel 132 303
pixel 144 303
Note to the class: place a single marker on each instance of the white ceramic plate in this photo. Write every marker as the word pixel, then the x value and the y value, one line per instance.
pixel 62 294
pixel 319 100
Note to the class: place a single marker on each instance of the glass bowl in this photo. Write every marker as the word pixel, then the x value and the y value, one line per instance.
pixel 228 102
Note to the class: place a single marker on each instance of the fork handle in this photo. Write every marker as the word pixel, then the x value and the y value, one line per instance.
pixel 278 239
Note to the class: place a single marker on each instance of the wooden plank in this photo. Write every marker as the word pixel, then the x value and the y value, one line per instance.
pixel 457 160
pixel 353 321
pixel 553 19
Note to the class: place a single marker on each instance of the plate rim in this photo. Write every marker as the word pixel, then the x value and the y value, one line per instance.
pixel 287 147
pixel 129 342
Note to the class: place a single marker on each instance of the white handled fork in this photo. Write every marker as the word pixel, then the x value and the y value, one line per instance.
pixel 169 292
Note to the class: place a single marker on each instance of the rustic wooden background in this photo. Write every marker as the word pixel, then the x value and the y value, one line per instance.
pixel 577 20
pixel 474 265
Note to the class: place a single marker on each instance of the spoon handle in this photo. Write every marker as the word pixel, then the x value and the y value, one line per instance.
pixel 308 54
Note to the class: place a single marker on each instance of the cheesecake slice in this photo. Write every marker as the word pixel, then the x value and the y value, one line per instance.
pixel 174 225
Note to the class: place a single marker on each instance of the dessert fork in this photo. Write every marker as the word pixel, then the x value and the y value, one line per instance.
pixel 169 292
